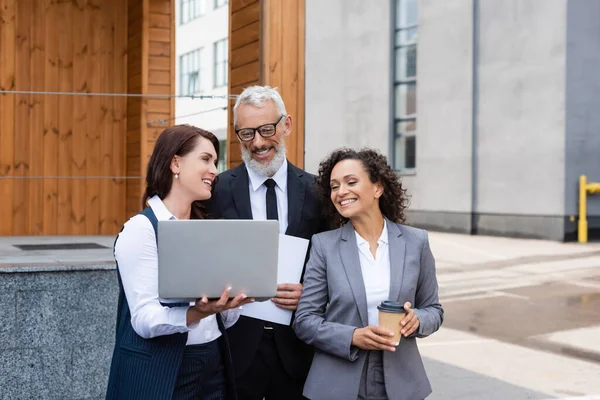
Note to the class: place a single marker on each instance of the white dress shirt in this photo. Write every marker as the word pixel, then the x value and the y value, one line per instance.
pixel 258 193
pixel 137 258
pixel 375 272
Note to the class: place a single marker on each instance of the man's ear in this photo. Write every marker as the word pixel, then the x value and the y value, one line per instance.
pixel 288 125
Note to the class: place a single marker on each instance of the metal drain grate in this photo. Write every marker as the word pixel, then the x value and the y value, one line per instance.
pixel 60 246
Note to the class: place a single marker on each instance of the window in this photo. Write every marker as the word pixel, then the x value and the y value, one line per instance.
pixel 405 84
pixel 220 3
pixel 220 55
pixel 192 9
pixel 222 164
pixel 191 72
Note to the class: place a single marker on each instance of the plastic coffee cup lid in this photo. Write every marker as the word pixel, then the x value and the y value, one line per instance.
pixel 392 307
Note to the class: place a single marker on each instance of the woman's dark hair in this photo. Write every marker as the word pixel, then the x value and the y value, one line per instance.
pixel 392 202
pixel 177 140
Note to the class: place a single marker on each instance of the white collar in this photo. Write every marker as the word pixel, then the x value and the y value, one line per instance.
pixel 280 177
pixel 383 238
pixel 160 210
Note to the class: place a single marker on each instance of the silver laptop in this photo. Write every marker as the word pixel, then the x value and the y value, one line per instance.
pixel 199 258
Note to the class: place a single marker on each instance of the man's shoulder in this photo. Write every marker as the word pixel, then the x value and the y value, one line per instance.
pixel 230 174
pixel 302 174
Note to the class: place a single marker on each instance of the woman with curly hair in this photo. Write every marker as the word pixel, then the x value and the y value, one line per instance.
pixel 370 261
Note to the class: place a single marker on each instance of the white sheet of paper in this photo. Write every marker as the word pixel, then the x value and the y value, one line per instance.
pixel 292 253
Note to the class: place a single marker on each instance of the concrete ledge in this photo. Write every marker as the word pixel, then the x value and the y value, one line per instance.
pixel 440 221
pixel 55 267
pixel 559 228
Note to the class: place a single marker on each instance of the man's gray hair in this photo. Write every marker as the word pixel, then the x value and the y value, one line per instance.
pixel 256 97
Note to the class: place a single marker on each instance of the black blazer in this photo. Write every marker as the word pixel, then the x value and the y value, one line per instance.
pixel 231 200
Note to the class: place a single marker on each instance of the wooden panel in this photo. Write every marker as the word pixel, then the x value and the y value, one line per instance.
pixel 159 77
pixel 137 66
pixel 286 77
pixel 36 160
pixel 105 167
pixel 244 63
pixel 159 89
pixel 7 113
pixel 244 74
pixel 173 88
pixel 160 21
pixel 237 5
pixel 157 63
pixel 161 49
pixel 160 35
pixel 269 51
pixel 245 16
pixel 119 120
pixel 151 70
pixel 300 113
pixel 157 118
pixel 81 48
pixel 51 124
pixel 244 55
pixel 24 11
pixel 160 7
pixel 65 120
pixel 247 34
pixel 95 78
pixel 283 64
pixel 159 105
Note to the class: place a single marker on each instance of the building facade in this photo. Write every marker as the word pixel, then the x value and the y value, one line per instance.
pixel 202 53
pixel 487 109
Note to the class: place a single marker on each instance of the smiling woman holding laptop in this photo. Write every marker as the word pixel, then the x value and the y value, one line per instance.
pixel 167 348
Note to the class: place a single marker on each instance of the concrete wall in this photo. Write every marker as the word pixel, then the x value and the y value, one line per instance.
pixel 521 108
pixel 583 105
pixel 56 333
pixel 443 180
pixel 348 76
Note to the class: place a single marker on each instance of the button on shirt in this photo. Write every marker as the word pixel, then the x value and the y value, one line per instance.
pixel 258 195
pixel 137 257
pixel 375 272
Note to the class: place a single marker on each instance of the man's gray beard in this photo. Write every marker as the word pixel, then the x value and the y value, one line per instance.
pixel 269 169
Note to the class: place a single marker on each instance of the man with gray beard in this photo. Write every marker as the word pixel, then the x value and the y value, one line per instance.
pixel 270 362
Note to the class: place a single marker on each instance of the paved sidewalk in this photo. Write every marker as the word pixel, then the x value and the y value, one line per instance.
pixel 522 317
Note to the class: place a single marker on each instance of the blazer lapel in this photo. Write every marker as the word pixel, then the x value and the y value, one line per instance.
pixel 351 262
pixel 295 192
pixel 397 252
pixel 241 192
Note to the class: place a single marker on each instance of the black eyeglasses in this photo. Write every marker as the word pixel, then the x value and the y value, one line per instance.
pixel 266 130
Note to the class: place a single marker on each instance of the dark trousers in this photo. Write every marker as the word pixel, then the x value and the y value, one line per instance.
pixel 266 377
pixel 202 373
pixel 372 382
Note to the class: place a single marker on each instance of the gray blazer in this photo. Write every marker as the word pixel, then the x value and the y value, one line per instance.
pixel 334 303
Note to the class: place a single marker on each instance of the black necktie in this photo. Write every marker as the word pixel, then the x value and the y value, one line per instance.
pixel 271 199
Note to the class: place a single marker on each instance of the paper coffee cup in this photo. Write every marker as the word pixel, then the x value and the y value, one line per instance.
pixel 390 315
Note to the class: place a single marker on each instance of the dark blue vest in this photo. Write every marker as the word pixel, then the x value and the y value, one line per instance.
pixel 147 368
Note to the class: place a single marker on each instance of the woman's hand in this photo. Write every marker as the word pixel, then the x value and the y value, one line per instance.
pixel 204 308
pixel 373 338
pixel 410 322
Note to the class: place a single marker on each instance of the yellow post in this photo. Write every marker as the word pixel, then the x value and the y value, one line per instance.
pixel 582 227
